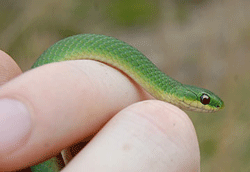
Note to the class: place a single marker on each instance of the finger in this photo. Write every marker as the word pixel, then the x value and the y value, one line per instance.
pixel 56 105
pixel 147 136
pixel 8 68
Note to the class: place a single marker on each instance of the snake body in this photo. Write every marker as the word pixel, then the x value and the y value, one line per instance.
pixel 128 59
pixel 131 61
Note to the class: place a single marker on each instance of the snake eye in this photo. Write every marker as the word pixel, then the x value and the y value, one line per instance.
pixel 205 99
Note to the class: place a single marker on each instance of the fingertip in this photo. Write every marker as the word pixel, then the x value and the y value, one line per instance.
pixel 169 119
pixel 8 68
pixel 162 113
pixel 179 137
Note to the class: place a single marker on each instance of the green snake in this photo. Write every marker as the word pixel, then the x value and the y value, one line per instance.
pixel 131 61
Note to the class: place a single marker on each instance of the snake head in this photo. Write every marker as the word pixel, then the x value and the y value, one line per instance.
pixel 198 99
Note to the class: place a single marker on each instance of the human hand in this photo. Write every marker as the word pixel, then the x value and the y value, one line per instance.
pixel 63 103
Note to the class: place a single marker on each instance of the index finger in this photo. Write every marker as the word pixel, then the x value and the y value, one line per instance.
pixel 61 103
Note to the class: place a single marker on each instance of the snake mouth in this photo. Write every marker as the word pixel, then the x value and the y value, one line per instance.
pixel 191 101
pixel 196 106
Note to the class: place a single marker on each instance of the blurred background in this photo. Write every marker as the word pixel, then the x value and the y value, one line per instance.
pixel 199 42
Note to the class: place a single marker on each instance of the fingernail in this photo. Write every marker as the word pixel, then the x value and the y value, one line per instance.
pixel 15 125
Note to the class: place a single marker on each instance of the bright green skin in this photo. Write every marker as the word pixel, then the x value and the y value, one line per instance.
pixel 131 61
pixel 48 166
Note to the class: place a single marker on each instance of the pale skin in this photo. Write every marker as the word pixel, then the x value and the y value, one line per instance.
pixel 66 102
